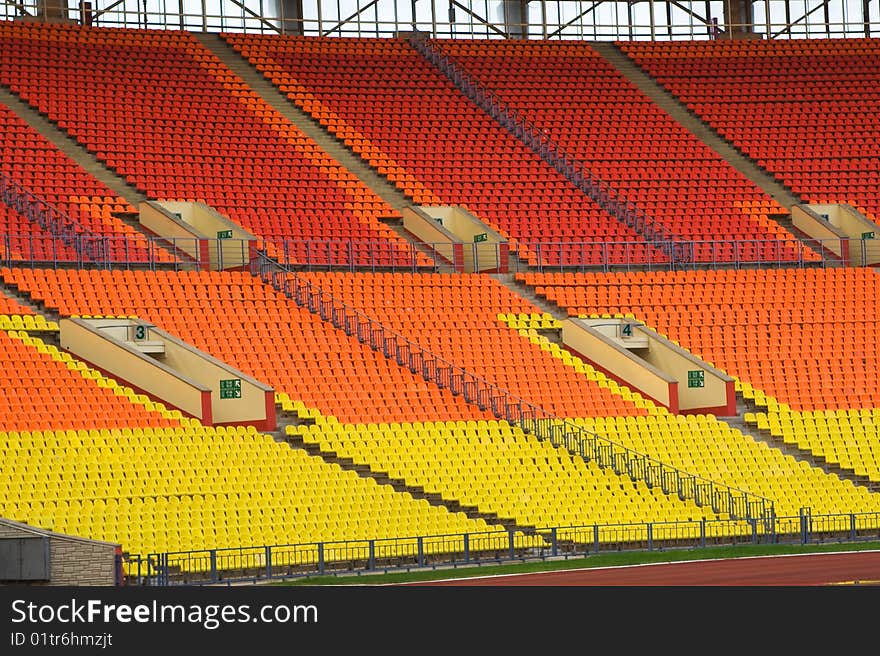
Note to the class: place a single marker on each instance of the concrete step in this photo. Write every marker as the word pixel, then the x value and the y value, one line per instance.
pixel 306 123
pixel 521 289
pixel 87 160
pixel 808 456
pixel 327 141
pixel 416 492
pixel 24 298
pixel 678 111
pixel 72 148
pixel 746 165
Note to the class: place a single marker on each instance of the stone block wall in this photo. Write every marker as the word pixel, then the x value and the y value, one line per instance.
pixel 73 561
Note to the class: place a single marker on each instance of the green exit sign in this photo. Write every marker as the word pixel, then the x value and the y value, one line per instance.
pixel 867 235
pixel 224 234
pixel 696 378
pixel 481 237
pixel 230 389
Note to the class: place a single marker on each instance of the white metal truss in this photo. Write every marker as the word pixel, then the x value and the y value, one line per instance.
pixel 596 20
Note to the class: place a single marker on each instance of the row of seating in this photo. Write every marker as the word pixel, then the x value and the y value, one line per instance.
pixel 862 419
pixel 721 316
pixel 239 319
pixel 723 454
pixel 533 77
pixel 373 288
pixel 425 140
pixel 88 455
pixel 204 493
pixel 26 240
pixel 458 320
pixel 231 124
pixel 41 169
pixel 450 283
pixel 45 388
pixel 686 214
pixel 796 106
pixel 700 445
pixel 498 469
pixel 844 437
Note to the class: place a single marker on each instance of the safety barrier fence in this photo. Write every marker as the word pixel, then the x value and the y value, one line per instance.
pixel 66 242
pixel 540 142
pixel 121 252
pixel 289 561
pixel 559 255
pixel 508 407
pixel 68 239
pixel 124 251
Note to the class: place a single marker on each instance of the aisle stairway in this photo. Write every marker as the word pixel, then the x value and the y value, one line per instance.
pixel 71 147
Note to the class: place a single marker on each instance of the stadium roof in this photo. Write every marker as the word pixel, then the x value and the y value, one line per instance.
pixel 538 19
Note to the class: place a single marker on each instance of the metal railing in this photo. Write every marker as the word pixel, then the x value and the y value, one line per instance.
pixel 493 546
pixel 67 235
pixel 65 241
pixel 119 252
pixel 543 145
pixel 704 254
pixel 518 412
pixel 116 251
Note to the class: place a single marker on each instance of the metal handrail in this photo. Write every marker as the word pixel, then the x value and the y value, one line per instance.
pixel 503 404
pixel 493 546
pixel 125 251
pixel 542 144
pixel 88 245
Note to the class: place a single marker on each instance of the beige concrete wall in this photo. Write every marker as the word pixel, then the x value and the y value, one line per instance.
pixel 853 223
pixel 478 256
pixel 482 256
pixel 862 251
pixel 595 345
pixel 676 362
pixel 159 220
pixel 425 227
pixel 460 223
pixel 203 225
pixel 185 376
pixel 208 372
pixel 807 219
pixel 442 224
pixel 7 531
pixel 443 214
pixel 841 232
pixel 650 364
pixel 96 341
pixel 233 253
pixel 865 252
pixel 207 221
pixel 73 561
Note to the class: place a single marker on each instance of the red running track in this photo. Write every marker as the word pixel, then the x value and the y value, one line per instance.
pixel 845 568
